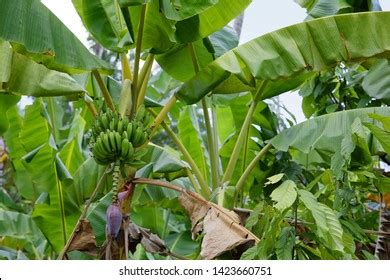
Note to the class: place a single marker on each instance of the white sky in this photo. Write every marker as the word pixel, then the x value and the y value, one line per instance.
pixel 261 17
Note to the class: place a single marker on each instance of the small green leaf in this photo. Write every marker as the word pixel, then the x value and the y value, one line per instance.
pixel 285 195
pixel 328 226
pixel 274 179
pixel 285 244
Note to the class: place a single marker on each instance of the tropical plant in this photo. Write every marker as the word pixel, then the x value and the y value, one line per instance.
pixel 90 173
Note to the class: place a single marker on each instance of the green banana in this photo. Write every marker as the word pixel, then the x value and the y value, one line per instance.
pixel 104 123
pixel 120 126
pixel 129 130
pixel 130 153
pixel 145 137
pixel 125 135
pixel 99 148
pixel 112 125
pixel 106 143
pixel 111 138
pixel 138 137
pixel 147 119
pixel 125 148
pixel 139 116
pixel 118 142
pixel 125 121
pixel 135 127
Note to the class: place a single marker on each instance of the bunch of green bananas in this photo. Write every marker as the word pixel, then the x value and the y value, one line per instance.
pixel 115 138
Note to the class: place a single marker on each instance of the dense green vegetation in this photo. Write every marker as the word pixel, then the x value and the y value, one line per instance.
pixel 168 144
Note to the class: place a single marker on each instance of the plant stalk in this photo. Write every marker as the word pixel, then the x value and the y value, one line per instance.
pixel 252 164
pixel 91 107
pixel 211 146
pixel 138 47
pixel 211 142
pixel 243 165
pixel 163 113
pixel 103 88
pixel 126 70
pixel 83 214
pixel 145 69
pixel 203 185
pixel 144 79
pixel 237 147
pixel 193 181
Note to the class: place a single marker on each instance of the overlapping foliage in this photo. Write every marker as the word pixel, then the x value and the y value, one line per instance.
pixel 220 160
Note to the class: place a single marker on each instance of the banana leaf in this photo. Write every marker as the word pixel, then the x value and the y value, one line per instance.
pixel 21 75
pixel 282 60
pixel 35 31
pixel 104 20
pixel 325 132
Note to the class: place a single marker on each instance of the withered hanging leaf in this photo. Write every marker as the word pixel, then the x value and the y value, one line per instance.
pixel 243 214
pixel 222 233
pixel 84 239
pixel 151 242
pixel 196 210
pixel 222 229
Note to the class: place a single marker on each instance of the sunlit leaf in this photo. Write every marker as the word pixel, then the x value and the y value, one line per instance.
pixel 282 60
pixel 285 195
pixel 35 31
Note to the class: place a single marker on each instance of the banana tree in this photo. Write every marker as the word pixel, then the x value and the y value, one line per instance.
pixel 112 186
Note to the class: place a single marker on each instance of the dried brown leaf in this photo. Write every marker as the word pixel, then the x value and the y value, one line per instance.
pixel 196 210
pixel 222 234
pixel 151 242
pixel 84 239
pixel 222 228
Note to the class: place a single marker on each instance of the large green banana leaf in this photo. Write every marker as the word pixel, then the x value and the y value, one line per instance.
pixel 325 132
pixel 377 81
pixel 22 76
pixel 167 23
pixel 282 60
pixel 209 21
pixel 35 31
pixel 106 23
pixel 182 9
pixel 18 230
pixel 177 62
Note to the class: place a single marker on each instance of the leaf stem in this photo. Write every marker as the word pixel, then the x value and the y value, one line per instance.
pixel 126 70
pixel 103 88
pixel 211 143
pixel 144 79
pixel 145 69
pixel 138 47
pixel 203 185
pixel 237 147
pixel 83 214
pixel 89 102
pixel 194 58
pixel 163 113
pixel 250 167
pixel 193 182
